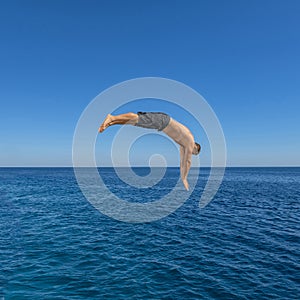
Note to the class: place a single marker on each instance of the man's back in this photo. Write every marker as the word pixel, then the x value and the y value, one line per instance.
pixel 180 134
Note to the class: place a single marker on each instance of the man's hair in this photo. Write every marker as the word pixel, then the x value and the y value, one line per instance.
pixel 198 147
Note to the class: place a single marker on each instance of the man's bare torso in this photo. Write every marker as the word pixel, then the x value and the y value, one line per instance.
pixel 180 134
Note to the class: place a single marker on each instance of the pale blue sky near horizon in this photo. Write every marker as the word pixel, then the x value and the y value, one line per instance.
pixel 242 56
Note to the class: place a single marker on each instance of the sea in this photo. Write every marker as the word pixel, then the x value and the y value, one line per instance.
pixel 245 244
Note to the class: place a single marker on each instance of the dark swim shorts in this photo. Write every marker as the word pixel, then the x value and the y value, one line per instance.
pixel 153 120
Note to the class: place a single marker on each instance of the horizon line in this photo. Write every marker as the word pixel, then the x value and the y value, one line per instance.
pixel 145 166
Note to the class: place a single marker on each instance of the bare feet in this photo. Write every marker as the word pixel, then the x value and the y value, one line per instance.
pixel 105 123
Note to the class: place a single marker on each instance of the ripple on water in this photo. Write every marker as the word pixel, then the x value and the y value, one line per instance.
pixel 244 245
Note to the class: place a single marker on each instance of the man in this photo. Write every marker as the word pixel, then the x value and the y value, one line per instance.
pixel 162 122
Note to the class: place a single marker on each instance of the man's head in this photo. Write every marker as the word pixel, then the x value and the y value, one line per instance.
pixel 197 149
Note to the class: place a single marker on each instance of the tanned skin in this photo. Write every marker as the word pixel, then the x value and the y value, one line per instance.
pixel 175 130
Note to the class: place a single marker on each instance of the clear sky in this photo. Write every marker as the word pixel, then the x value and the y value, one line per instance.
pixel 242 56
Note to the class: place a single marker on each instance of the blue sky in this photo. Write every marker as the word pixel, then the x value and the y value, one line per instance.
pixel 241 56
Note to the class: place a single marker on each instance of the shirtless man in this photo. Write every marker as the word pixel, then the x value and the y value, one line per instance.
pixel 162 122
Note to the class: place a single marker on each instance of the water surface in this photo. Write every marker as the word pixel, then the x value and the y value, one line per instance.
pixel 243 245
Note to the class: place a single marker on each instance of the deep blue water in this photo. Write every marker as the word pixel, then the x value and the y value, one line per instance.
pixel 243 245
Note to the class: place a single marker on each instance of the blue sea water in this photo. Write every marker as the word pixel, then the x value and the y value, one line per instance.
pixel 244 245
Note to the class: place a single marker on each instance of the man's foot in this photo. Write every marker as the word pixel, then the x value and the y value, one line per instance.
pixel 105 123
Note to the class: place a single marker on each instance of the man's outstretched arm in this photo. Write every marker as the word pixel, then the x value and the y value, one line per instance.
pixel 181 159
pixel 185 164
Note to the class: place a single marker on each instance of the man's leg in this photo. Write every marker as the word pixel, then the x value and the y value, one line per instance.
pixel 129 118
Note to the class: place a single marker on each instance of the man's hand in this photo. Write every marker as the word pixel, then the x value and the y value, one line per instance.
pixel 186 184
pixel 185 164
